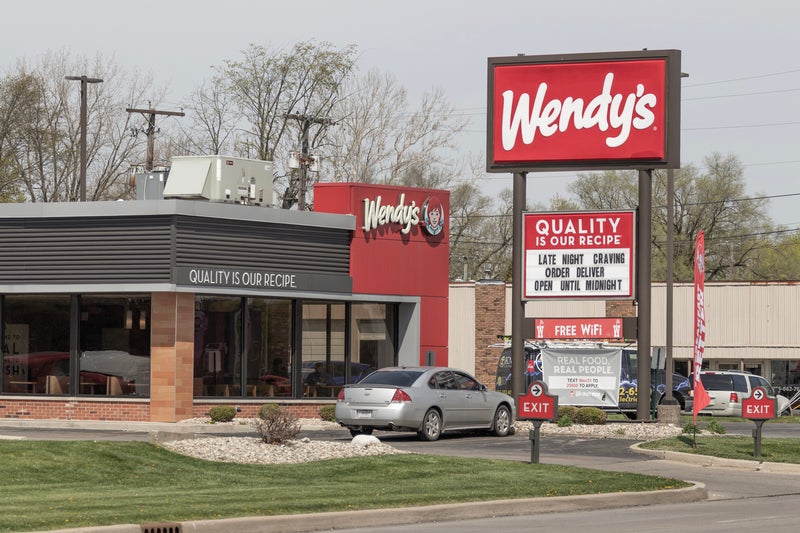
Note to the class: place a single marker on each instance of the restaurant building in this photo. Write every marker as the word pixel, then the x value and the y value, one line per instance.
pixel 155 310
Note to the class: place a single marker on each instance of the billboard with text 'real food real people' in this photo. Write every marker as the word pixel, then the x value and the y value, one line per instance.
pixel 584 111
pixel 582 254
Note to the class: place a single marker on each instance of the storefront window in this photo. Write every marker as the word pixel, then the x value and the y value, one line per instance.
pixel 372 339
pixel 218 346
pixel 786 380
pixel 269 347
pixel 36 344
pixel 323 364
pixel 115 345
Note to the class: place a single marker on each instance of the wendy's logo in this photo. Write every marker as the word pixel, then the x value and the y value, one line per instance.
pixel 433 215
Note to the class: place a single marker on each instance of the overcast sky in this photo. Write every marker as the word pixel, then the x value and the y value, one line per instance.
pixel 741 96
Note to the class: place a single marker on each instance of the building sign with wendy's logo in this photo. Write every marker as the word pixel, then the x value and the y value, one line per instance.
pixel 430 215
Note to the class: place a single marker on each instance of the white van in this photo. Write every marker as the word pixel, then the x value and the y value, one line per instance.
pixel 726 388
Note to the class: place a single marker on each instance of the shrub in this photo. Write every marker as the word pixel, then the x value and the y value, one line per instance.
pixel 590 416
pixel 267 408
pixel 689 428
pixel 715 426
pixel 276 425
pixel 564 421
pixel 222 413
pixel 327 413
pixel 568 411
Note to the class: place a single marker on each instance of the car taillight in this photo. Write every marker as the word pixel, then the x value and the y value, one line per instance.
pixel 340 396
pixel 401 396
pixel 734 398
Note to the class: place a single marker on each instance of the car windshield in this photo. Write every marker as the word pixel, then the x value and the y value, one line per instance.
pixel 399 378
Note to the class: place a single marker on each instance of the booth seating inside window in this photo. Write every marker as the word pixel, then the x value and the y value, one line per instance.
pixel 113 386
pixel 53 385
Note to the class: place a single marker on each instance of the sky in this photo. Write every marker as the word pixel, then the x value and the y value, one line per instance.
pixel 741 96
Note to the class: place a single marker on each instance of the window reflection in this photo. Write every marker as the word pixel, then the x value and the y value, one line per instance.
pixel 269 347
pixel 323 365
pixel 115 345
pixel 217 346
pixel 36 344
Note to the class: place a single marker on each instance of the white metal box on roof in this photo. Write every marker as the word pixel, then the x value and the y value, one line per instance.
pixel 220 178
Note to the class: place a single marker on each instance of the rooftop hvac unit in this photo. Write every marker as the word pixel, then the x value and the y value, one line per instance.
pixel 150 185
pixel 220 179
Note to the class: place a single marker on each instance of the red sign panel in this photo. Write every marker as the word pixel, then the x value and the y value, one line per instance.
pixel 759 406
pixel 578 255
pixel 584 111
pixel 578 328
pixel 537 404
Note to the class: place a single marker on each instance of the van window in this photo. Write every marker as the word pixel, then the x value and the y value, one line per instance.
pixel 739 383
pixel 716 381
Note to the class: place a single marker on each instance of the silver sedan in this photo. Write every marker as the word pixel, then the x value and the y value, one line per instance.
pixel 427 400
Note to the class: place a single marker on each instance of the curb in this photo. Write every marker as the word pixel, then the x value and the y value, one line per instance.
pixel 414 515
pixel 707 460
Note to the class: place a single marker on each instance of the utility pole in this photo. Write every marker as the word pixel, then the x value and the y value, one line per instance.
pixel 306 159
pixel 84 81
pixel 150 116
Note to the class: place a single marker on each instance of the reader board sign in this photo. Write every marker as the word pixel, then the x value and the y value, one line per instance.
pixel 584 111
pixel 583 376
pixel 586 254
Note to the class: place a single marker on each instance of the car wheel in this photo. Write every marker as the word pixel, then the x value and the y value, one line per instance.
pixel 502 421
pixel 360 431
pixel 431 426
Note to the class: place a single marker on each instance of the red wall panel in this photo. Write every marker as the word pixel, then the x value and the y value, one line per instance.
pixel 396 254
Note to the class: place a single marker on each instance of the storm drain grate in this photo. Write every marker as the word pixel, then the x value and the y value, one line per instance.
pixel 161 528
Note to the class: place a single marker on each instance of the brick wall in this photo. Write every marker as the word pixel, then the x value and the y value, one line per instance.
pixel 620 308
pixel 490 312
pixel 59 409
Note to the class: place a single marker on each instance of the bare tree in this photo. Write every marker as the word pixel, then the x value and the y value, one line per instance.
pixel 268 87
pixel 213 118
pixel 379 138
pixel 44 144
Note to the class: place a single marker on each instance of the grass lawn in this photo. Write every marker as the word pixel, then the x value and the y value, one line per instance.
pixel 57 484
pixel 732 447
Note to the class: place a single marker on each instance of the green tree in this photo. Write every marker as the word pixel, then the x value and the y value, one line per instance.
pixel 736 226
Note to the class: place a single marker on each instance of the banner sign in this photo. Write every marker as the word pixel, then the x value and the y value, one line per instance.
pixel 578 255
pixel 584 111
pixel 583 376
pixel 701 398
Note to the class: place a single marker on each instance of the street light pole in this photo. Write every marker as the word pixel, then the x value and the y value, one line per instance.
pixel 84 81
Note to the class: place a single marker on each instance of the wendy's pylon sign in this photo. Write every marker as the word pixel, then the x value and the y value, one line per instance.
pixel 584 111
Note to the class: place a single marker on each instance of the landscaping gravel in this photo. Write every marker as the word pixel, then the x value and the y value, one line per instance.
pixel 252 450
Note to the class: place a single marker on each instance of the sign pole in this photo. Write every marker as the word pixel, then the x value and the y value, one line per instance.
pixel 757 437
pixel 517 303
pixel 533 435
pixel 643 292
